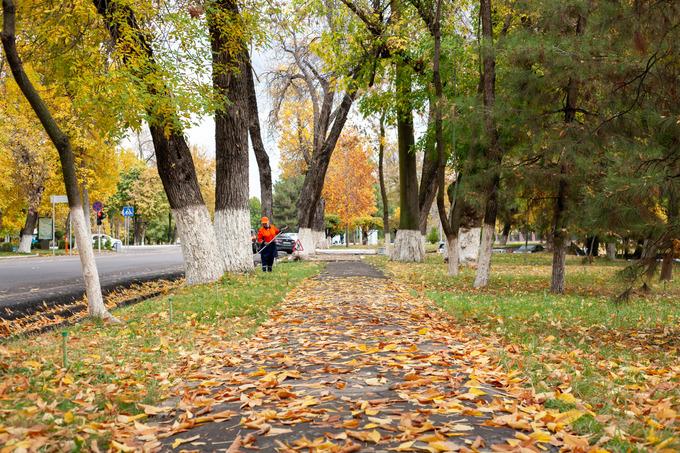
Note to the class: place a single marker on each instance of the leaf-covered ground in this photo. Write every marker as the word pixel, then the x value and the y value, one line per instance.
pixel 114 370
pixel 621 360
pixel 353 362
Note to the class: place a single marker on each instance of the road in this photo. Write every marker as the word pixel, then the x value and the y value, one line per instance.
pixel 28 281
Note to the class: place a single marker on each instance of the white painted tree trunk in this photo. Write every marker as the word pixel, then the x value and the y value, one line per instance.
pixel 232 228
pixel 452 250
pixel 93 290
pixel 484 260
pixel 611 251
pixel 308 240
pixel 203 262
pixel 408 246
pixel 320 239
pixel 25 243
pixel 388 244
pixel 468 244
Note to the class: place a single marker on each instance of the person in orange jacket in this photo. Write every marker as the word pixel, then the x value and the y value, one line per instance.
pixel 268 251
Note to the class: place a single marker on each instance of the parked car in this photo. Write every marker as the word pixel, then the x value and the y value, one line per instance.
pixel 106 239
pixel 286 241
pixel 531 248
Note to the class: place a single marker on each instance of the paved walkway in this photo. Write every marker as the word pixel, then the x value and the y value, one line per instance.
pixel 352 362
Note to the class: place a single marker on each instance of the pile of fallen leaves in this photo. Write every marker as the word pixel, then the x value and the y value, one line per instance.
pixel 618 360
pixel 51 316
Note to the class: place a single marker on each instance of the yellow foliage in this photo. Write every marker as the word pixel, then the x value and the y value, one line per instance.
pixel 295 121
pixel 348 188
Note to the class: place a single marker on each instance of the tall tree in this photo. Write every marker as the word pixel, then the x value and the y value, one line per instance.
pixel 408 245
pixel 493 155
pixel 381 178
pixel 322 86
pixel 230 72
pixel 62 143
pixel 202 258
pixel 260 151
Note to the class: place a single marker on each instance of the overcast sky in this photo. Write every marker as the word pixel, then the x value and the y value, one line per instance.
pixel 203 135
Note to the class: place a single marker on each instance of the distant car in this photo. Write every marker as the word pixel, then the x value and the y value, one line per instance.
pixel 533 248
pixel 115 243
pixel 286 241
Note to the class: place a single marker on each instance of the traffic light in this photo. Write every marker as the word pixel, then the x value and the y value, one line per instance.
pixel 100 217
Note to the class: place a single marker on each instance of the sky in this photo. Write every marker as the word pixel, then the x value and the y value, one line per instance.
pixel 203 135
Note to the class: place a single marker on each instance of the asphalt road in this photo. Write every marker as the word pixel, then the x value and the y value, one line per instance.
pixel 29 281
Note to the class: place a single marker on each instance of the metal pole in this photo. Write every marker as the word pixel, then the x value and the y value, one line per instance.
pixel 70 230
pixel 53 232
pixel 99 235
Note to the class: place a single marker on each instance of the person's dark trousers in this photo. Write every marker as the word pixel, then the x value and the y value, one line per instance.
pixel 268 254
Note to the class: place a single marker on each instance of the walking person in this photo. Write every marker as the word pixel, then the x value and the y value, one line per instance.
pixel 265 236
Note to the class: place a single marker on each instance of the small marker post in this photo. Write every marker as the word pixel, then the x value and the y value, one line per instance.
pixel 64 335
pixel 170 308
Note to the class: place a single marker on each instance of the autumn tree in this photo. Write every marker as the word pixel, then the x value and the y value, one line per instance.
pixel 135 52
pixel 349 187
pixel 62 143
pixel 330 71
pixel 230 68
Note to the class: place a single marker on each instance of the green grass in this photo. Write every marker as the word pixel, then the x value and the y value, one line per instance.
pixel 607 352
pixel 113 367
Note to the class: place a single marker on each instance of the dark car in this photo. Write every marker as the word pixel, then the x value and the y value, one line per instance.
pixel 533 248
pixel 285 242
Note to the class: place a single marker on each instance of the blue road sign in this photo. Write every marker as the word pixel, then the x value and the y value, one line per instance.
pixel 128 211
pixel 97 206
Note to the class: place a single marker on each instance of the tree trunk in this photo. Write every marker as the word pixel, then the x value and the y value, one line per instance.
pixel 202 259
pixel 259 150
pixel 138 230
pixel 452 250
pixel 319 225
pixel 559 235
pixel 312 185
pixel 558 266
pixel 611 251
pixel 560 220
pixel 667 266
pixel 27 230
pixel 494 155
pixel 428 182
pixel 62 143
pixel 87 209
pixel 383 188
pixel 506 233
pixel 408 244
pixel 230 72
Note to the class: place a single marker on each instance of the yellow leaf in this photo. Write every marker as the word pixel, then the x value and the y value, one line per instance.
pixel 121 447
pixel 374 436
pixel 406 446
pixel 567 398
pixel 31 364
pixel 476 391
pixel 569 417
pixel 67 379
pixel 443 445
pixel 423 331
pixel 68 417
pixel 540 436
pixel 180 441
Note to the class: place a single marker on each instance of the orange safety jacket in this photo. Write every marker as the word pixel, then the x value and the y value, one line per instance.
pixel 267 234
